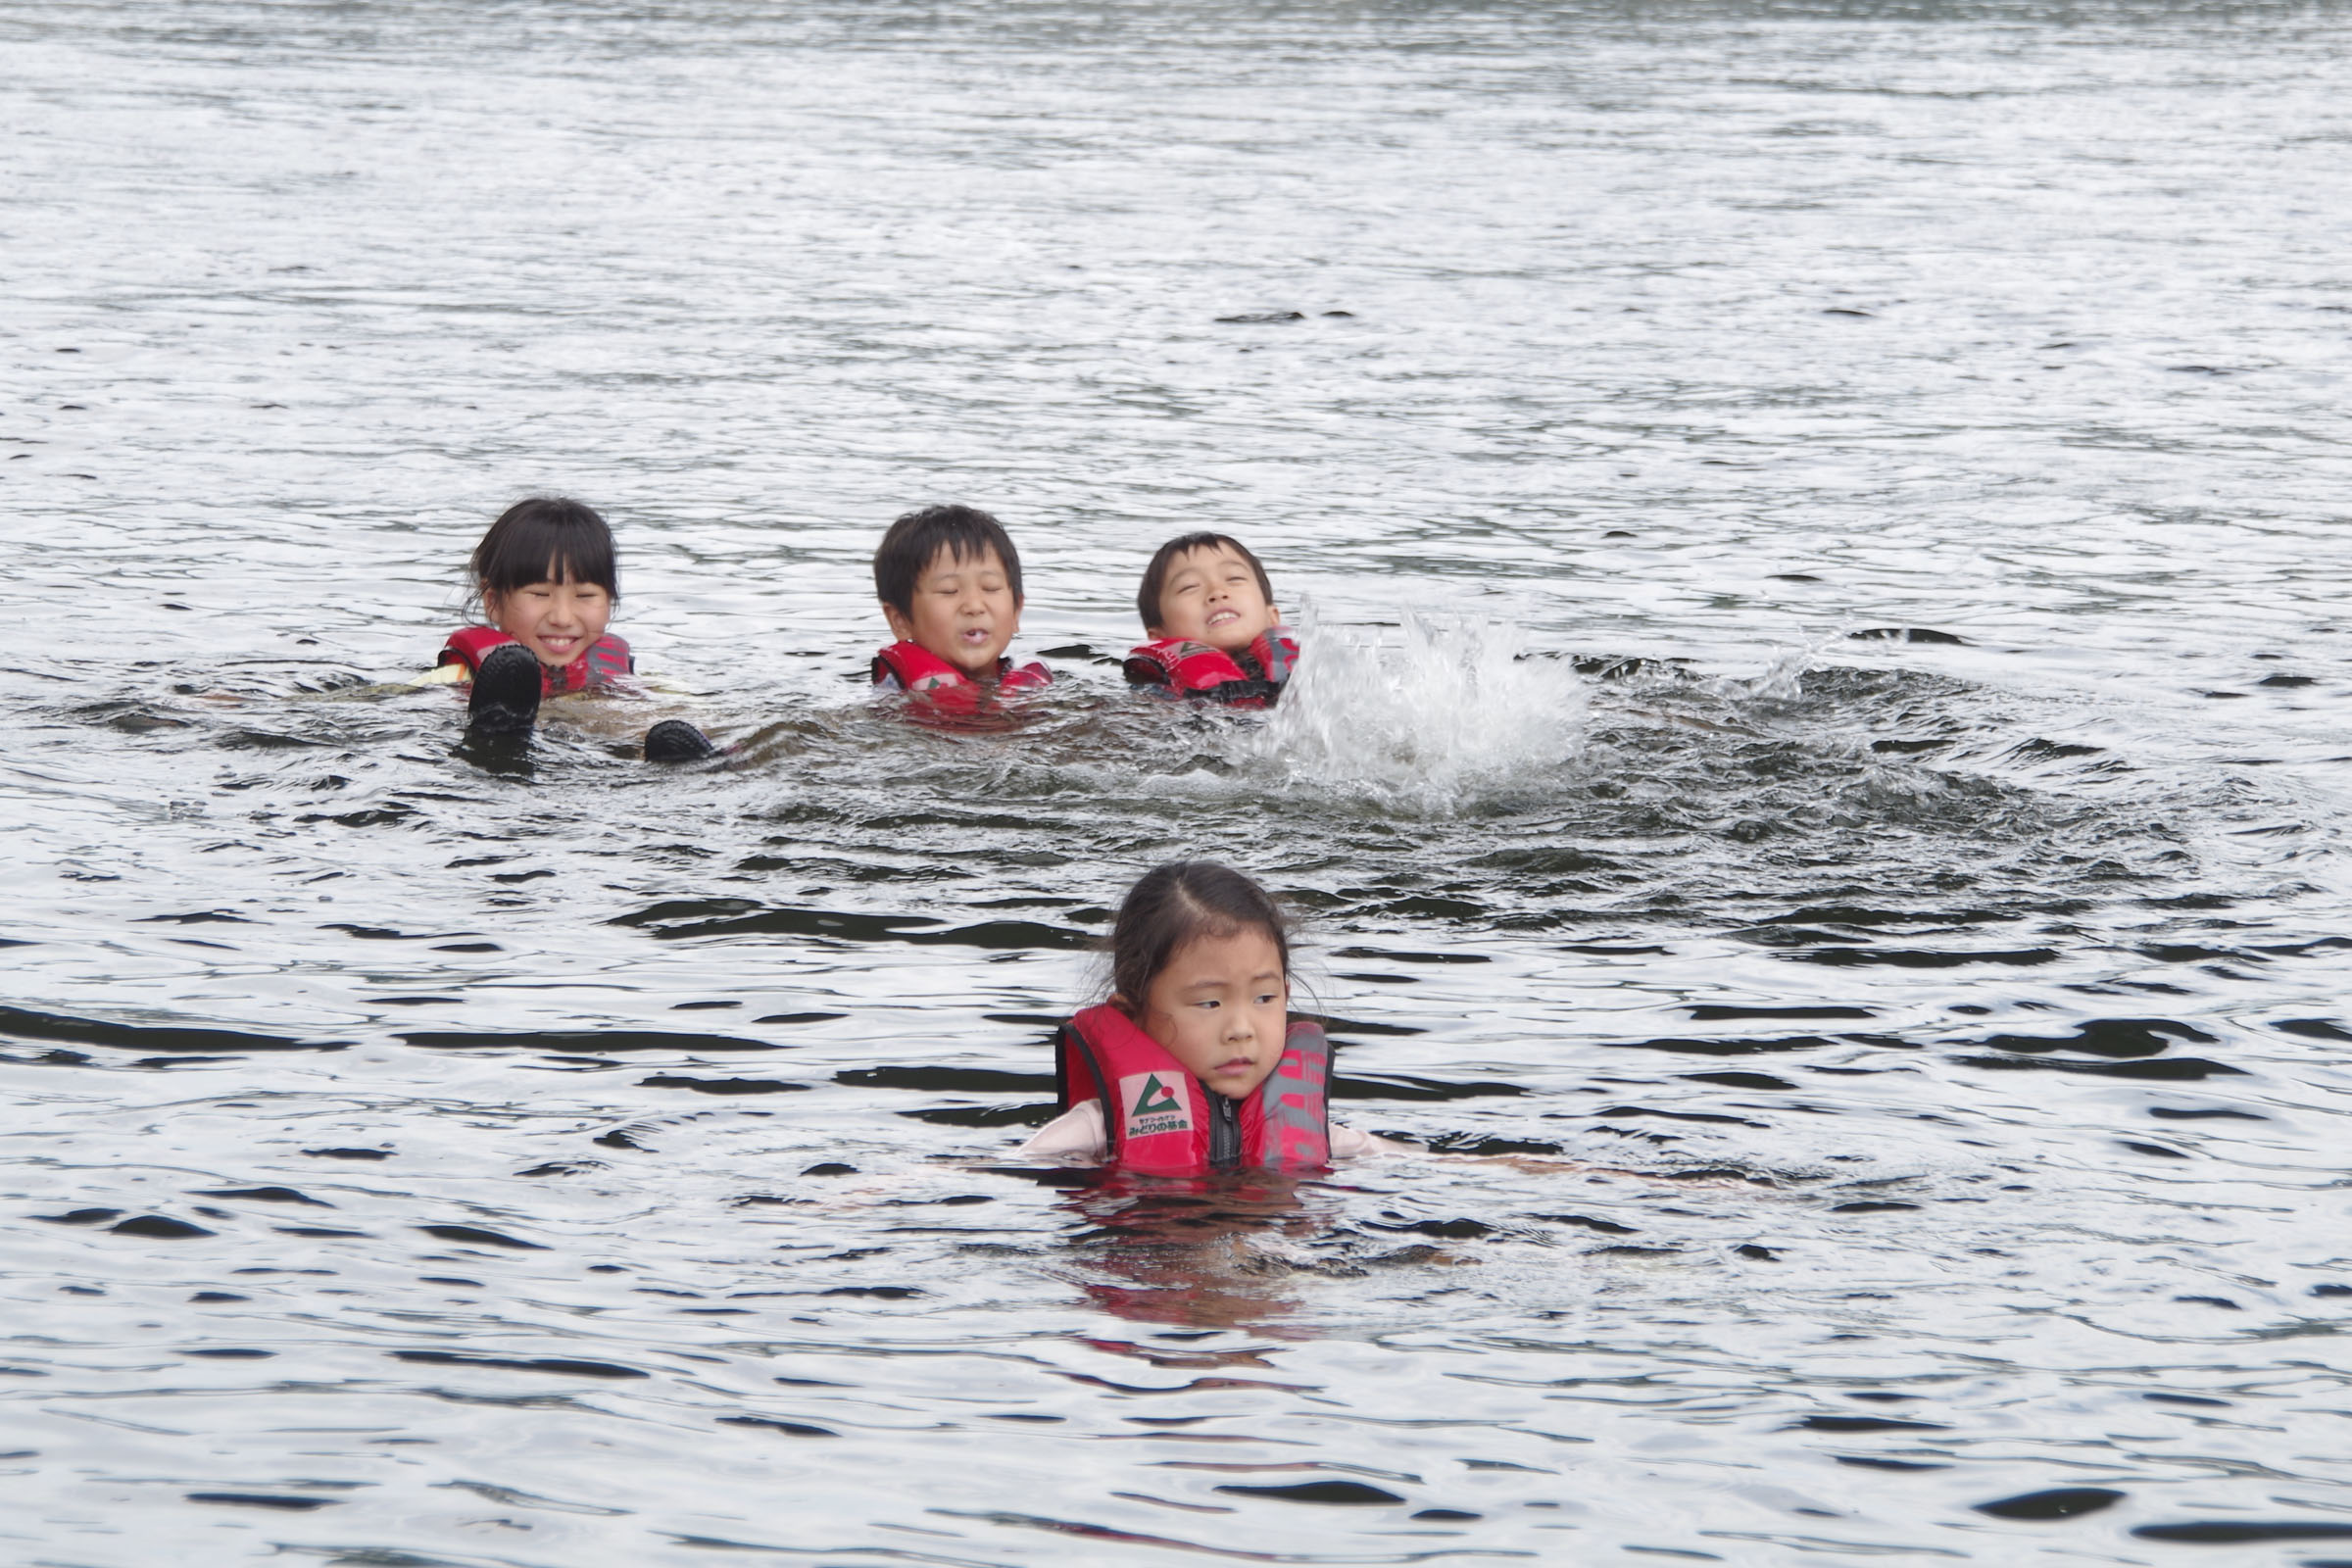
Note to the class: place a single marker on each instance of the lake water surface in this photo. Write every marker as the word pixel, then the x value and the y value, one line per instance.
pixel 1818 793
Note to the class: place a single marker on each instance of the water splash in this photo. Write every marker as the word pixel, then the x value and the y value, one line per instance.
pixel 1437 712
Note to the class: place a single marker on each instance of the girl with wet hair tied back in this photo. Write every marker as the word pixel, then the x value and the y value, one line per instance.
pixel 1193 1064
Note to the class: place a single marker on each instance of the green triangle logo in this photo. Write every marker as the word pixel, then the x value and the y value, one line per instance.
pixel 1155 1097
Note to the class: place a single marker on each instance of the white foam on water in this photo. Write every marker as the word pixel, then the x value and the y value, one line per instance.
pixel 1426 716
pixel 1781 680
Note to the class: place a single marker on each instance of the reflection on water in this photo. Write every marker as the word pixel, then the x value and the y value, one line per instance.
pixel 1815 799
pixel 1204 1255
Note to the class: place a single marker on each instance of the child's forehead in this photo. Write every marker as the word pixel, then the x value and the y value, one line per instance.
pixel 560 572
pixel 1207 558
pixel 957 555
pixel 1223 944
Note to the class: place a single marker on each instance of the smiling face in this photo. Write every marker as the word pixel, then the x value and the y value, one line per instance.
pixel 1220 1006
pixel 964 610
pixel 1212 596
pixel 555 619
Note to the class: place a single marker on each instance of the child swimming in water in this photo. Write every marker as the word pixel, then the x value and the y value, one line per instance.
pixel 1208 607
pixel 547 578
pixel 1194 1054
pixel 949 583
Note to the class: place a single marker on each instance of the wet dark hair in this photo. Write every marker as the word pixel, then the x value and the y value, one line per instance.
pixel 1156 576
pixel 1182 901
pixel 546 539
pixel 966 533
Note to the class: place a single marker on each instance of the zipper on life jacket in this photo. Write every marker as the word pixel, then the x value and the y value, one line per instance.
pixel 1224 1132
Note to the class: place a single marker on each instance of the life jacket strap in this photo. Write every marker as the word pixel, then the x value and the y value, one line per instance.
pixel 1158 1118
pixel 1195 670
pixel 605 661
pixel 1274 654
pixel 916 668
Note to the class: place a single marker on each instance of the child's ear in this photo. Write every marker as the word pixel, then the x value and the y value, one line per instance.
pixel 902 625
pixel 1275 610
pixel 490 598
pixel 1159 634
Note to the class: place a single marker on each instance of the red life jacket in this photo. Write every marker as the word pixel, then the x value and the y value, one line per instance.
pixel 604 662
pixel 918 670
pixel 1158 1119
pixel 1251 678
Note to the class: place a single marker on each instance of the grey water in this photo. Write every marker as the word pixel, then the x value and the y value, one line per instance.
pixel 1817 796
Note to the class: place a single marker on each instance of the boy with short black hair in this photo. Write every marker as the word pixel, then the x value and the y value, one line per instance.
pixel 949 583
pixel 1209 609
